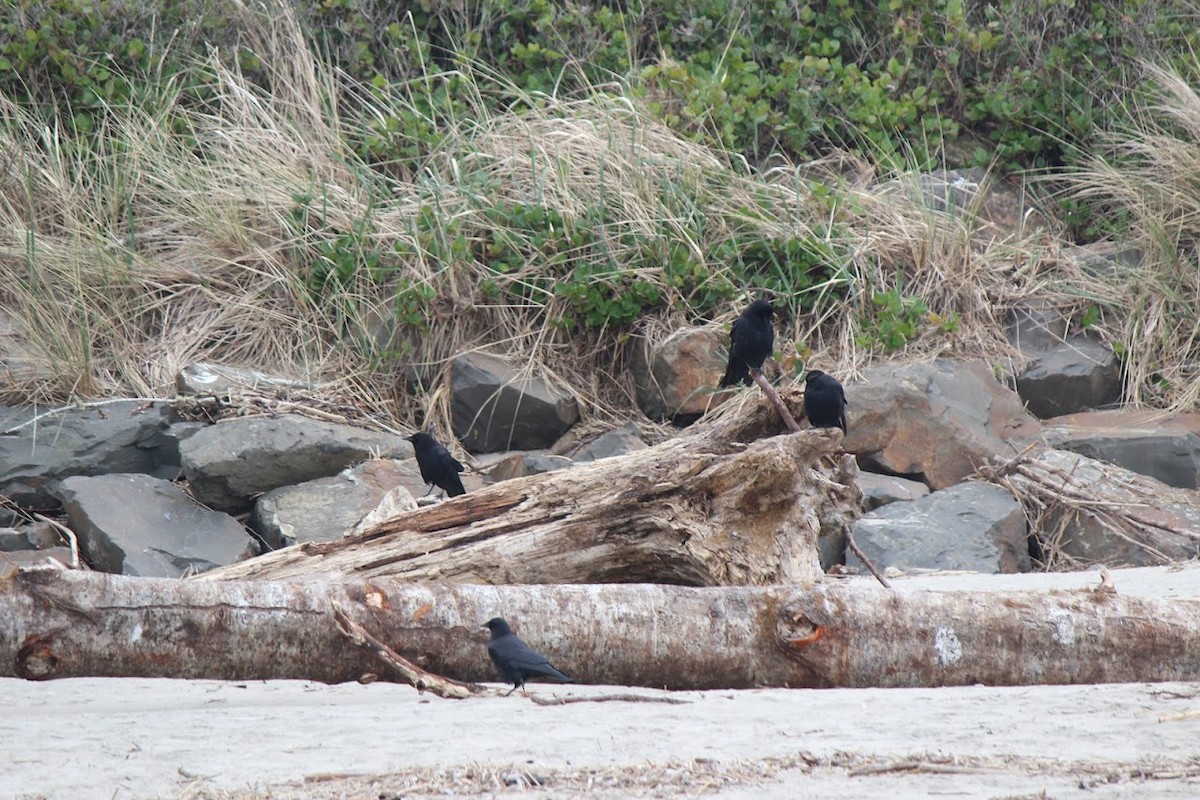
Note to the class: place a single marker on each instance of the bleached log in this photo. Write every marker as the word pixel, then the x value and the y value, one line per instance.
pixel 68 624
pixel 723 506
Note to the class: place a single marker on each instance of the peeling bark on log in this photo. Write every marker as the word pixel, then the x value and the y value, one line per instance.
pixel 720 507
pixel 65 624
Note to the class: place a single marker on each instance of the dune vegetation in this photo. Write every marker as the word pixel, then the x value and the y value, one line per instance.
pixel 355 193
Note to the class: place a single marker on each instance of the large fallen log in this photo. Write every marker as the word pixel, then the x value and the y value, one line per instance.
pixel 71 624
pixel 723 506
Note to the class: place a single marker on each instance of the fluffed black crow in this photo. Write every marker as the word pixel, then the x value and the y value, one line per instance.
pixel 750 342
pixel 438 467
pixel 824 401
pixel 515 660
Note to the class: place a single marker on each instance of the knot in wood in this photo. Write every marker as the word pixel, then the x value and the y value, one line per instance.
pixel 36 660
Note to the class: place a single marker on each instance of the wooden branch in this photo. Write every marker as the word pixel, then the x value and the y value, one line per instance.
pixel 60 623
pixel 732 504
pixel 67 534
pixel 854 548
pixel 623 697
pixel 412 674
pixel 769 391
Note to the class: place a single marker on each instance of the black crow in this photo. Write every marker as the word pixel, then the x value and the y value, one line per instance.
pixel 438 467
pixel 750 342
pixel 515 660
pixel 824 401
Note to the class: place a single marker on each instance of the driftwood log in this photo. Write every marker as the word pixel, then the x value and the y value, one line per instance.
pixel 723 506
pixel 57 624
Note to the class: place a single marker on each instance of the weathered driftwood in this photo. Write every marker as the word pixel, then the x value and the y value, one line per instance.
pixel 1061 490
pixel 723 506
pixel 67 624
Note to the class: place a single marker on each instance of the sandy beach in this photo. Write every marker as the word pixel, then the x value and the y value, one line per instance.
pixel 138 738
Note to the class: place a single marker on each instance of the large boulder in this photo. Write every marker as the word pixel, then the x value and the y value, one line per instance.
pixel 971 526
pixel 935 422
pixel 613 442
pixel 1065 372
pixel 879 490
pixel 495 406
pixel 228 464
pixel 1089 512
pixel 327 509
pixel 521 463
pixel 675 380
pixel 1141 441
pixel 122 437
pixel 141 525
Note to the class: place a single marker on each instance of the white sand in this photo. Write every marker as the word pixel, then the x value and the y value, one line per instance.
pixel 133 738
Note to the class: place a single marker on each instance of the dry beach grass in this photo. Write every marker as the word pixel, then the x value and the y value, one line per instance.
pixel 247 229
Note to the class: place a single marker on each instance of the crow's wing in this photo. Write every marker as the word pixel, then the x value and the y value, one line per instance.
pixel 514 659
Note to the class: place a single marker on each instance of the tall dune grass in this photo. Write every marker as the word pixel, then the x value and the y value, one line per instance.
pixel 250 229
pixel 1147 178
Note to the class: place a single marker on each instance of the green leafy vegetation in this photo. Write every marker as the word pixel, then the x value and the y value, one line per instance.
pixel 357 187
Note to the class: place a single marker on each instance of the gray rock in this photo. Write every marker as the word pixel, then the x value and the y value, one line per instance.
pixel 496 407
pixel 172 436
pixel 30 536
pixel 971 526
pixel 1140 441
pixel 41 535
pixel 13 540
pixel 615 442
pixel 229 463
pixel 1065 372
pixel 1108 260
pixel 996 209
pixel 676 379
pixel 396 501
pixel 139 525
pixel 325 509
pixel 1035 329
pixel 1079 374
pixel 116 437
pixel 879 490
pixel 831 550
pixel 36 558
pixel 1173 515
pixel 530 462
pixel 935 422
pixel 218 379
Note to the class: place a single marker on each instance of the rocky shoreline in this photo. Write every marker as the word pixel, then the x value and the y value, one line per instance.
pixel 286 472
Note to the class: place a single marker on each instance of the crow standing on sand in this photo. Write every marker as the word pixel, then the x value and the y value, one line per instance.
pixel 750 342
pixel 824 401
pixel 438 467
pixel 515 660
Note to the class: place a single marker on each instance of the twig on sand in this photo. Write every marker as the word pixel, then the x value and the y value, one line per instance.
pixel 1186 715
pixel 919 766
pixel 412 674
pixel 608 698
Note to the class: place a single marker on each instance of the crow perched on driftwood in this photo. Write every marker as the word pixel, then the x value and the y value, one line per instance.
pixel 515 660
pixel 438 467
pixel 750 342
pixel 824 401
